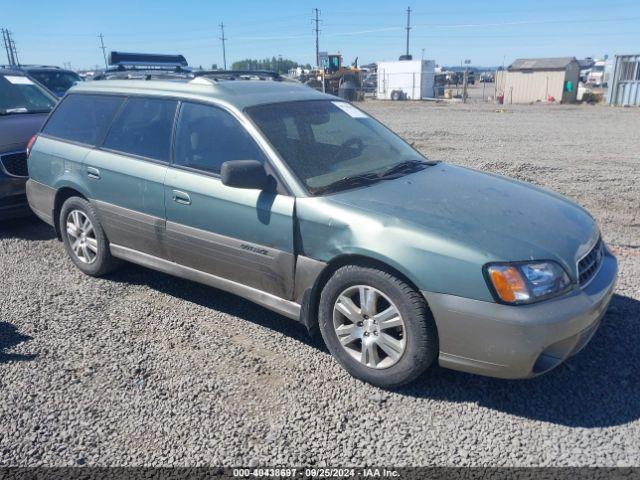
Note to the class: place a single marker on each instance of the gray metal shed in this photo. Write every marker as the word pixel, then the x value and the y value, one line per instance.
pixel 624 86
pixel 529 80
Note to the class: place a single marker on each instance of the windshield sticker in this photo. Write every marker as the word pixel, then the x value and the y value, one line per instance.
pixel 16 80
pixel 350 110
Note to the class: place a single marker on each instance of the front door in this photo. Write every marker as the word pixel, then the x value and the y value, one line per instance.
pixel 126 175
pixel 238 234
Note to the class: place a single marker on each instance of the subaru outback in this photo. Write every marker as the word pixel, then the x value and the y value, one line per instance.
pixel 308 206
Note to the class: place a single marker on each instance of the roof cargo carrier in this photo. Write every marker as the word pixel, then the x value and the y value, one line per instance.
pixel 149 60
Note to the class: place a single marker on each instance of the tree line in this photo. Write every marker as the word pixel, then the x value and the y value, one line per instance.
pixel 280 65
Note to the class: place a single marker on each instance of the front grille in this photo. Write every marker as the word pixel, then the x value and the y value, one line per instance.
pixel 15 163
pixel 590 263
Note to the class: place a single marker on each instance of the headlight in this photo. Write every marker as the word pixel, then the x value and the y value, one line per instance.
pixel 529 282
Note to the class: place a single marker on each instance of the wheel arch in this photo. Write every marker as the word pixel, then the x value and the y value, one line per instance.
pixel 62 194
pixel 311 300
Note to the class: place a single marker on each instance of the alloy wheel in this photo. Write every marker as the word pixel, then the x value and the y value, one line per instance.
pixel 369 326
pixel 82 236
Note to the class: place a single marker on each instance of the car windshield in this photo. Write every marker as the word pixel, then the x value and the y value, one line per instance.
pixel 56 81
pixel 19 94
pixel 327 142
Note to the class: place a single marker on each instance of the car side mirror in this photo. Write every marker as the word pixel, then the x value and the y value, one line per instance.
pixel 244 174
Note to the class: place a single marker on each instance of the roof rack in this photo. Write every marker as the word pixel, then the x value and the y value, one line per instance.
pixel 40 66
pixel 143 74
pixel 23 65
pixel 145 66
pixel 153 66
pixel 217 75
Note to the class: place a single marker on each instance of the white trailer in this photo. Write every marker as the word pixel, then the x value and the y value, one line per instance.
pixel 406 79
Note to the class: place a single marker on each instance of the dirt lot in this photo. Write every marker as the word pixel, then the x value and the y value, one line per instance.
pixel 144 369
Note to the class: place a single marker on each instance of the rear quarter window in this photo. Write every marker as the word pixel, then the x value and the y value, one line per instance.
pixel 83 118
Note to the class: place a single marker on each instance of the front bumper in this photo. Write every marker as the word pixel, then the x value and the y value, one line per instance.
pixel 520 341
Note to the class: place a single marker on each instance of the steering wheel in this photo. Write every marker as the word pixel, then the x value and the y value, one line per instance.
pixel 348 144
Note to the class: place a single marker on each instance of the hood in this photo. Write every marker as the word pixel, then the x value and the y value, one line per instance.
pixel 500 218
pixel 17 129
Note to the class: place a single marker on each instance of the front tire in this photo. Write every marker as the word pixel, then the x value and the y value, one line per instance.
pixel 84 239
pixel 377 326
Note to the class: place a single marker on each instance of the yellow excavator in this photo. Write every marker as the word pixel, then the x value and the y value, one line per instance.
pixel 334 78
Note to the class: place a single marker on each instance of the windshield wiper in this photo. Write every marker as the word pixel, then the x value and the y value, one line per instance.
pixel 407 166
pixel 21 111
pixel 346 182
pixel 395 171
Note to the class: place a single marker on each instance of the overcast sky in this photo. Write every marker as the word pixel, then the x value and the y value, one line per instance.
pixel 487 33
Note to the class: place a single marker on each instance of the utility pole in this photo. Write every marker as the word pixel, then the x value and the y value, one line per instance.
pixel 104 51
pixel 10 47
pixel 465 82
pixel 224 47
pixel 408 28
pixel 5 42
pixel 317 31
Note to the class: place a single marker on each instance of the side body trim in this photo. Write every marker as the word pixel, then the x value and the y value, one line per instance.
pixel 261 267
pixel 131 228
pixel 267 300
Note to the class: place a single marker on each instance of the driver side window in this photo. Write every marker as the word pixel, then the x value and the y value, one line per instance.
pixel 207 136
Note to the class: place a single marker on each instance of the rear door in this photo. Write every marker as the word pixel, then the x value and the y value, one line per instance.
pixel 77 125
pixel 126 174
pixel 238 234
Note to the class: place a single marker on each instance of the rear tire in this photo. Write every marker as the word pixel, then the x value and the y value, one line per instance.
pixel 400 345
pixel 84 238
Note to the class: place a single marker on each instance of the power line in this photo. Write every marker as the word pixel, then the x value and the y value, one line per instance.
pixel 372 29
pixel 224 47
pixel 104 51
pixel 317 30
pixel 12 44
pixel 487 10
pixel 408 28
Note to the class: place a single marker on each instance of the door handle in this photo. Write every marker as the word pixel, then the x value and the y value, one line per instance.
pixel 182 198
pixel 93 173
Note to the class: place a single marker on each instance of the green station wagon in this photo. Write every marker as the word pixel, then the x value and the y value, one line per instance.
pixel 308 206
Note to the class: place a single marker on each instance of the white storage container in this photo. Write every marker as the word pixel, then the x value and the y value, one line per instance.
pixel 414 79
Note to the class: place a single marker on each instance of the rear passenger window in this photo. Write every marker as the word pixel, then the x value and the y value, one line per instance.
pixel 143 128
pixel 83 118
pixel 207 136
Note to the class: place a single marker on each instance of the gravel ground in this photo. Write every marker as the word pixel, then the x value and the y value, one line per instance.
pixel 144 369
